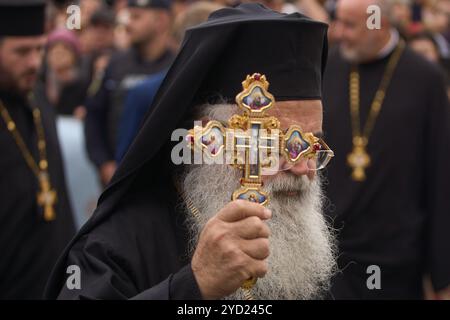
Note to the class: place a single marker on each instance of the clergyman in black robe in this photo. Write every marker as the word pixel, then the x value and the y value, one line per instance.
pixel 398 218
pixel 140 241
pixel 29 245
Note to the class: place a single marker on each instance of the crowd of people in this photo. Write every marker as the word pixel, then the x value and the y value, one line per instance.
pixel 101 77
pixel 106 72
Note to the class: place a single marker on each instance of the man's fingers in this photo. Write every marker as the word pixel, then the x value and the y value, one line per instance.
pixel 250 228
pixel 241 209
pixel 257 268
pixel 256 248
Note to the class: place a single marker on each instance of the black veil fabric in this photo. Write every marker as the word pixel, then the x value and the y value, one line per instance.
pixel 214 59
pixel 211 65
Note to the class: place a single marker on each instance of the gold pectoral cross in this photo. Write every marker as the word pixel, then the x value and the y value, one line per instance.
pixel 47 197
pixel 359 159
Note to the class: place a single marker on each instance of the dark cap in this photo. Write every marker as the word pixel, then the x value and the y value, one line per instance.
pixel 103 17
pixel 151 4
pixel 22 18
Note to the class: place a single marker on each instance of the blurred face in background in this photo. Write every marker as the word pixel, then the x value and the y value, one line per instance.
pixel 100 37
pixel 61 61
pixel 436 16
pixel 87 8
pixel 144 24
pixel 358 43
pixel 401 14
pixel 20 61
pixel 426 48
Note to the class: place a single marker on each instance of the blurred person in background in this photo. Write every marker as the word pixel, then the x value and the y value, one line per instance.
pixel 436 19
pixel 149 32
pixel 425 45
pixel 98 45
pixel 387 115
pixel 140 98
pixel 401 16
pixel 330 7
pixel 62 84
pixel 87 9
pixel 194 14
pixel 98 35
pixel 314 9
pixel 56 14
pixel 121 36
pixel 35 215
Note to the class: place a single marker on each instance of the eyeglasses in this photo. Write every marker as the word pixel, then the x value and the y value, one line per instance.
pixel 297 147
pixel 274 151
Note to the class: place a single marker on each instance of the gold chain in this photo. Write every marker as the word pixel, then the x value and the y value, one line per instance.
pixel 46 197
pixel 378 100
pixel 37 168
pixel 359 159
pixel 196 214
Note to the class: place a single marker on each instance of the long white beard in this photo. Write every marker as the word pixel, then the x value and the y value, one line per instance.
pixel 301 260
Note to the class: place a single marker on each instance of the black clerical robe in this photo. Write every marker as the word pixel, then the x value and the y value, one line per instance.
pixel 139 251
pixel 399 217
pixel 29 246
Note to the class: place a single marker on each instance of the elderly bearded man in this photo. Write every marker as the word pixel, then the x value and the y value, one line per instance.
pixel 145 243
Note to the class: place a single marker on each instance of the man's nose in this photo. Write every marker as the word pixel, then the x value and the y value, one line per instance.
pixel 298 169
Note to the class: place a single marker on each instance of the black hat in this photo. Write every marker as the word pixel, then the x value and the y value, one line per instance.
pixel 151 4
pixel 22 17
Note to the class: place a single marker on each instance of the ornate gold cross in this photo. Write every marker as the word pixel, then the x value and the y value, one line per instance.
pixel 359 159
pixel 256 142
pixel 46 197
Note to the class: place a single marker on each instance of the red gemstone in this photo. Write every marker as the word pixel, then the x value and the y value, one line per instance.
pixel 257 76
pixel 317 147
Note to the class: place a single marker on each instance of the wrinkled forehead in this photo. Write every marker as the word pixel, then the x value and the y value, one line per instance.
pixel 305 113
